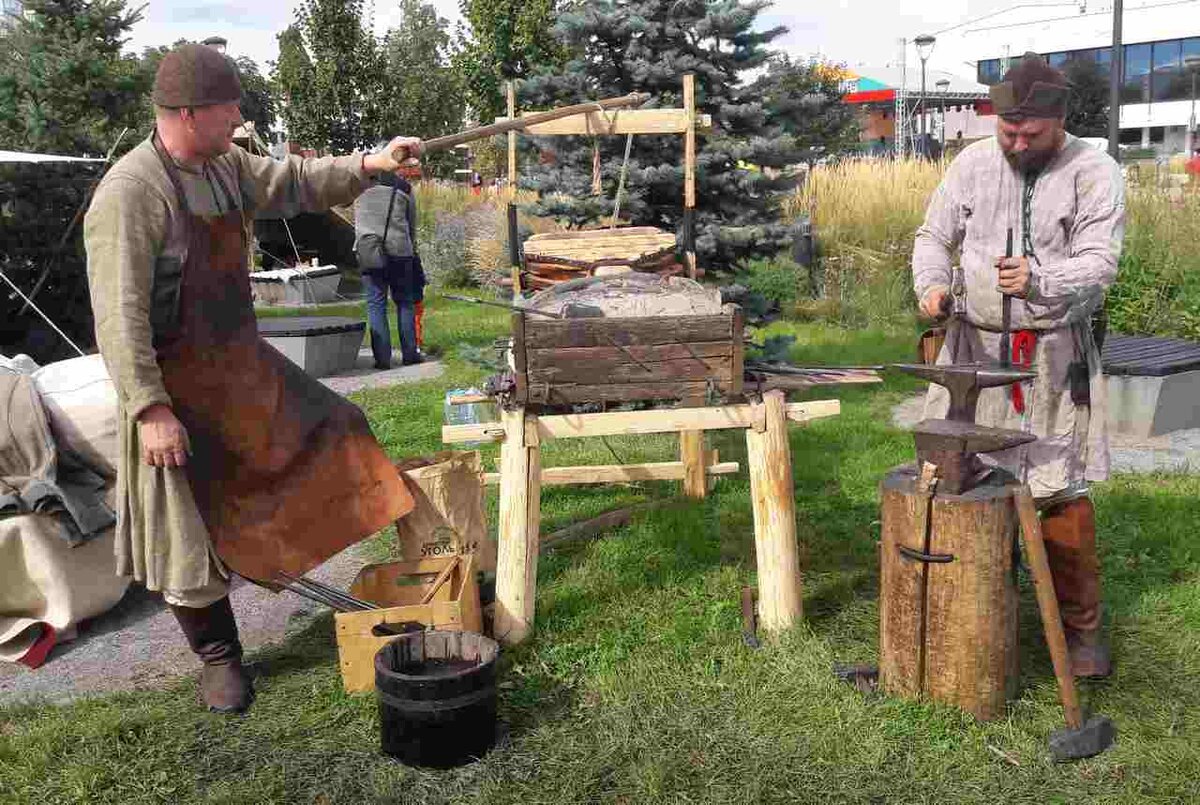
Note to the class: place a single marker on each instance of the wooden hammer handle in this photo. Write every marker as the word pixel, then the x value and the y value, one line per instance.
pixel 1043 583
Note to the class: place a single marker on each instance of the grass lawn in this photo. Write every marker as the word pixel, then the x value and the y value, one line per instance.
pixel 637 688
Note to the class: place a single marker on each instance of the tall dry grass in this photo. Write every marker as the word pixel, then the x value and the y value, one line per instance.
pixel 463 237
pixel 866 213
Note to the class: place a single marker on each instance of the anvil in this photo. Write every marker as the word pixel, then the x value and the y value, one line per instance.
pixel 954 447
pixel 964 381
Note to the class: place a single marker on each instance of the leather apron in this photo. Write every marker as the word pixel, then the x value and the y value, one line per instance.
pixel 285 472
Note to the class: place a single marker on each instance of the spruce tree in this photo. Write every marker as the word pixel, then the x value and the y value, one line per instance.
pixel 623 46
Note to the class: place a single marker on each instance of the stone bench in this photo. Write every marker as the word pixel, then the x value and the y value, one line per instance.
pixel 1153 384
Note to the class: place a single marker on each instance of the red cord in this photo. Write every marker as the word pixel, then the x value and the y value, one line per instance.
pixel 1024 342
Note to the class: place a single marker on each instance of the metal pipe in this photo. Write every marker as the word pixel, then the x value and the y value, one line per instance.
pixel 1116 70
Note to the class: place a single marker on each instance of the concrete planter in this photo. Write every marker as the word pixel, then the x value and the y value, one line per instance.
pixel 1153 384
pixel 320 345
pixel 295 286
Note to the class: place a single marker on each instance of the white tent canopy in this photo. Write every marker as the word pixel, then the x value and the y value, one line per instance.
pixel 21 156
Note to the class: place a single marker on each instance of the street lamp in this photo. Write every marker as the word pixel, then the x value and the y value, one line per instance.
pixel 942 85
pixel 924 44
pixel 1193 65
pixel 217 43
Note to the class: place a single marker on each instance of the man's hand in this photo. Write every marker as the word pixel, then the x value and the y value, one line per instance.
pixel 1014 276
pixel 933 301
pixel 400 152
pixel 163 437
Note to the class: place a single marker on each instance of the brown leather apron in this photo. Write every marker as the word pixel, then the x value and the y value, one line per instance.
pixel 285 472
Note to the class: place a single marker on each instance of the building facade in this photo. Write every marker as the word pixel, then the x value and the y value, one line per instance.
pixel 1158 37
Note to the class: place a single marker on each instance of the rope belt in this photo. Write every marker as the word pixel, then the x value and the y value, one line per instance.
pixel 1024 343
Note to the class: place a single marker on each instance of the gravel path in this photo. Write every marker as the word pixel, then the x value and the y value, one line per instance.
pixel 138 644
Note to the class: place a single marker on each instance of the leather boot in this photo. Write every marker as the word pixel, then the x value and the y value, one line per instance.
pixel 212 633
pixel 1069 530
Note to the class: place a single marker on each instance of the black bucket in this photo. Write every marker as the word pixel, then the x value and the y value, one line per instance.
pixel 437 697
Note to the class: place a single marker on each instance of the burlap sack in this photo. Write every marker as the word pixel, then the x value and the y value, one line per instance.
pixel 447 516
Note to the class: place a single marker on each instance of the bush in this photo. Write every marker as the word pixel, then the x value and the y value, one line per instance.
pixel 37 202
pixel 778 280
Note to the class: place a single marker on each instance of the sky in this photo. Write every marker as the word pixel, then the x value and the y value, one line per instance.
pixel 860 33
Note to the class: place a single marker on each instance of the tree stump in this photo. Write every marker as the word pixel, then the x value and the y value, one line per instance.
pixel 948 593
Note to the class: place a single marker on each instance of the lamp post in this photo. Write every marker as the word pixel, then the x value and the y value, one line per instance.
pixel 942 85
pixel 1193 65
pixel 217 43
pixel 924 44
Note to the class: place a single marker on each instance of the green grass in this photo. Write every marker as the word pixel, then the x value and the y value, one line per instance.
pixel 636 686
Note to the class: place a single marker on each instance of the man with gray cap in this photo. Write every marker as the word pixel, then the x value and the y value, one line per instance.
pixel 1064 203
pixel 232 458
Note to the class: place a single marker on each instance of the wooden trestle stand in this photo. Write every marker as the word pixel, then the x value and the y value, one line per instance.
pixel 522 476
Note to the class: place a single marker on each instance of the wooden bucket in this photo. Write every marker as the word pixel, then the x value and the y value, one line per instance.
pixel 948 600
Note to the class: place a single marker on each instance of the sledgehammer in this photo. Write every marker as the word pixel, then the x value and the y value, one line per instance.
pixel 1081 738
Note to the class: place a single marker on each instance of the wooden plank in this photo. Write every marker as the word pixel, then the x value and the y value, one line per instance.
pixel 773 498
pixel 675 390
pixel 623 121
pixel 673 420
pixel 614 371
pixel 689 158
pixel 691 455
pixel 511 91
pixel 562 333
pixel 649 353
pixel 737 370
pixel 520 513
pixel 598 525
pixel 576 234
pixel 621 473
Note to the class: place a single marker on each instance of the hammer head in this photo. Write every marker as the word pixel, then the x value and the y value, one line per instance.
pixel 1096 735
pixel 964 382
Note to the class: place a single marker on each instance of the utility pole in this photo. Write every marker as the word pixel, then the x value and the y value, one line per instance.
pixel 1116 71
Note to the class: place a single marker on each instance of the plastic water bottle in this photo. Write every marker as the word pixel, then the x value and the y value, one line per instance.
pixel 470 414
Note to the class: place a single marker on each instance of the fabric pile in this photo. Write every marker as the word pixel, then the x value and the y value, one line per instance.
pixel 57 488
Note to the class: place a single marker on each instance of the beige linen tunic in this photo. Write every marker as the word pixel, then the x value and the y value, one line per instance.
pixel 134 224
pixel 1077 225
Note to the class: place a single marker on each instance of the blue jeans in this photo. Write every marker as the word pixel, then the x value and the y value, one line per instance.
pixel 397 279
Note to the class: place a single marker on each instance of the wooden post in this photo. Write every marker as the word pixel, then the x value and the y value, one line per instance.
pixel 692 454
pixel 512 136
pixel 520 515
pixel 689 160
pixel 773 496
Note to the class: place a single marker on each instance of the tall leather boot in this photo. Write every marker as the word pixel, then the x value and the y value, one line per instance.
pixel 212 633
pixel 1069 530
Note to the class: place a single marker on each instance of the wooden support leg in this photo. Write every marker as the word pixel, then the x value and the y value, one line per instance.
pixel 773 496
pixel 520 516
pixel 691 453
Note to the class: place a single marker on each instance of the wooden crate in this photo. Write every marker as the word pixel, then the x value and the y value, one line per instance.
pixel 559 361
pixel 401 586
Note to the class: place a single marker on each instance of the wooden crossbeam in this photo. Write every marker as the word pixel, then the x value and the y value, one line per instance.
pixel 722 417
pixel 625 121
pixel 620 473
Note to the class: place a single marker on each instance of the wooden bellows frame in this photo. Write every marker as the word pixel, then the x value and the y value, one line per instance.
pixel 685 121
pixel 622 359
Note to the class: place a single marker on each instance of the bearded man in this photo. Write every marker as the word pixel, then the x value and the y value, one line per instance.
pixel 232 458
pixel 1064 203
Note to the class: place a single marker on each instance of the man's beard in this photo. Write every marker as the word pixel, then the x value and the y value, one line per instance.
pixel 1030 162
